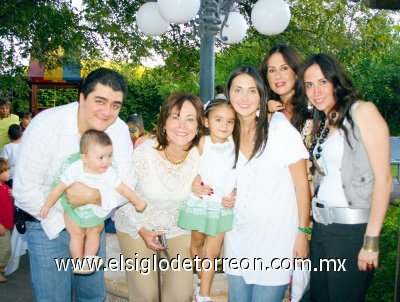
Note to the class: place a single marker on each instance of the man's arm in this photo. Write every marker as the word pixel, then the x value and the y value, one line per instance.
pixel 31 169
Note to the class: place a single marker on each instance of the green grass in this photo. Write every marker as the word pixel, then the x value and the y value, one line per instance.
pixel 395 171
pixel 382 287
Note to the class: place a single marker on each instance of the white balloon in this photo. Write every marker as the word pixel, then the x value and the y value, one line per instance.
pixel 270 17
pixel 235 28
pixel 179 11
pixel 149 20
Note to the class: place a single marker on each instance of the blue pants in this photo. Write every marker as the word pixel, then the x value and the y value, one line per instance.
pixel 239 291
pixel 52 285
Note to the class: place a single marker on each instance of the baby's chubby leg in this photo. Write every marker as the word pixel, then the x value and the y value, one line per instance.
pixel 92 242
pixel 77 234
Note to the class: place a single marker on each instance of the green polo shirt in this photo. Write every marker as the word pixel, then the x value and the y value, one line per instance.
pixel 5 123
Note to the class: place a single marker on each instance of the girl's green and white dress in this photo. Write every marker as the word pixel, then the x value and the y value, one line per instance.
pixel 207 215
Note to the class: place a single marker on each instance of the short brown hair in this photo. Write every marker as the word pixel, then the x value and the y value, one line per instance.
pixel 94 137
pixel 4 165
pixel 177 100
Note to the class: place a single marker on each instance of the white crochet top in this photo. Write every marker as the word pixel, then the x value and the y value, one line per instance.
pixel 164 186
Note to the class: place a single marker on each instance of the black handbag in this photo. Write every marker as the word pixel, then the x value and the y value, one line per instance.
pixel 20 218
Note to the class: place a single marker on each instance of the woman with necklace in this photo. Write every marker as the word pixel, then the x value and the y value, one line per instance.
pixel 352 180
pixel 165 167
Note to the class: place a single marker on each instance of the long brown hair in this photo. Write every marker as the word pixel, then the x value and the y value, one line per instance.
pixel 262 121
pixel 293 60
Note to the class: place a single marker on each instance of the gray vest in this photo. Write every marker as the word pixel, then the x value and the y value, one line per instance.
pixel 357 177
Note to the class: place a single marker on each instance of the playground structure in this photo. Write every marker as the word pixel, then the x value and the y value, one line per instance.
pixel 65 77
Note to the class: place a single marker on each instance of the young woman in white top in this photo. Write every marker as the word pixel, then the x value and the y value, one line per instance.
pixel 273 199
pixel 352 180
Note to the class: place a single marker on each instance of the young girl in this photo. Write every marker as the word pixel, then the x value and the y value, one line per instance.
pixel 206 216
pixel 6 217
pixel 93 167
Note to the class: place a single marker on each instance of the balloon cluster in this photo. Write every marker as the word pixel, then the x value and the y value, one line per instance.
pixel 269 17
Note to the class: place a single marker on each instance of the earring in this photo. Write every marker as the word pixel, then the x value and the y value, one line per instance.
pixel 258 112
pixel 309 106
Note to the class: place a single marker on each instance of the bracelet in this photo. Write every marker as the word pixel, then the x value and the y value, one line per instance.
pixel 305 230
pixel 371 244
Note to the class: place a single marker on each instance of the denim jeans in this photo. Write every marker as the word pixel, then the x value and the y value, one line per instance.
pixel 239 291
pixel 48 283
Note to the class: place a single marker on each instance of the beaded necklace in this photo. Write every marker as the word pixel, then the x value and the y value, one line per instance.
pixel 322 134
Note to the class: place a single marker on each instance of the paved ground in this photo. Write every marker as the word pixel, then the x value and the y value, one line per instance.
pixel 18 286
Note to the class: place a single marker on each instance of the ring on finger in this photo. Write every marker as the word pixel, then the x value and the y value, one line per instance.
pixel 370 266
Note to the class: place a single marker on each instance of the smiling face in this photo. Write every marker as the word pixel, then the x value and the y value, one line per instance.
pixel 280 76
pixel 100 109
pixel 98 159
pixel 220 122
pixel 244 95
pixel 181 126
pixel 319 90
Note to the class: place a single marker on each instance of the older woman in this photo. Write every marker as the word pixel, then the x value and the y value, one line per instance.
pixel 352 180
pixel 165 168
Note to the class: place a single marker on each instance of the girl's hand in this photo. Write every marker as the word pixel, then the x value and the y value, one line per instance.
pixel 199 188
pixel 151 240
pixel 274 106
pixel 301 248
pixel 2 230
pixel 367 258
pixel 10 193
pixel 143 138
pixel 229 201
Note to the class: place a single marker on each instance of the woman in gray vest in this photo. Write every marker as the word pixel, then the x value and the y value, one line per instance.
pixel 352 181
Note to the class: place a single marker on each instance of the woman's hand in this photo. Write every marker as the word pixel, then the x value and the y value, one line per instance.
pixel 229 201
pixel 199 188
pixel 78 195
pixel 274 106
pixel 301 249
pixel 367 258
pixel 151 240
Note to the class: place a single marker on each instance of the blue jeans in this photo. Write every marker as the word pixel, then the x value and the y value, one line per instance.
pixel 48 283
pixel 239 291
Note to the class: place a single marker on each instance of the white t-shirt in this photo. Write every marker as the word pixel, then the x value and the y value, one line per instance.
pixel 331 187
pixel 109 178
pixel 10 152
pixel 266 217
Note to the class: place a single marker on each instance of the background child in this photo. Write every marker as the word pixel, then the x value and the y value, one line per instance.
pixel 10 151
pixel 85 224
pixel 136 127
pixel 25 118
pixel 206 217
pixel 6 217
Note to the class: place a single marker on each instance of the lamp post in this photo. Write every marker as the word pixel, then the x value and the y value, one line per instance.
pixel 210 19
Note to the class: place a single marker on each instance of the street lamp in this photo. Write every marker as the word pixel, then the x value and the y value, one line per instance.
pixel 211 18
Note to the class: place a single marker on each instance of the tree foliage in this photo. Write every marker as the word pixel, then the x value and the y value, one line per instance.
pixel 364 40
